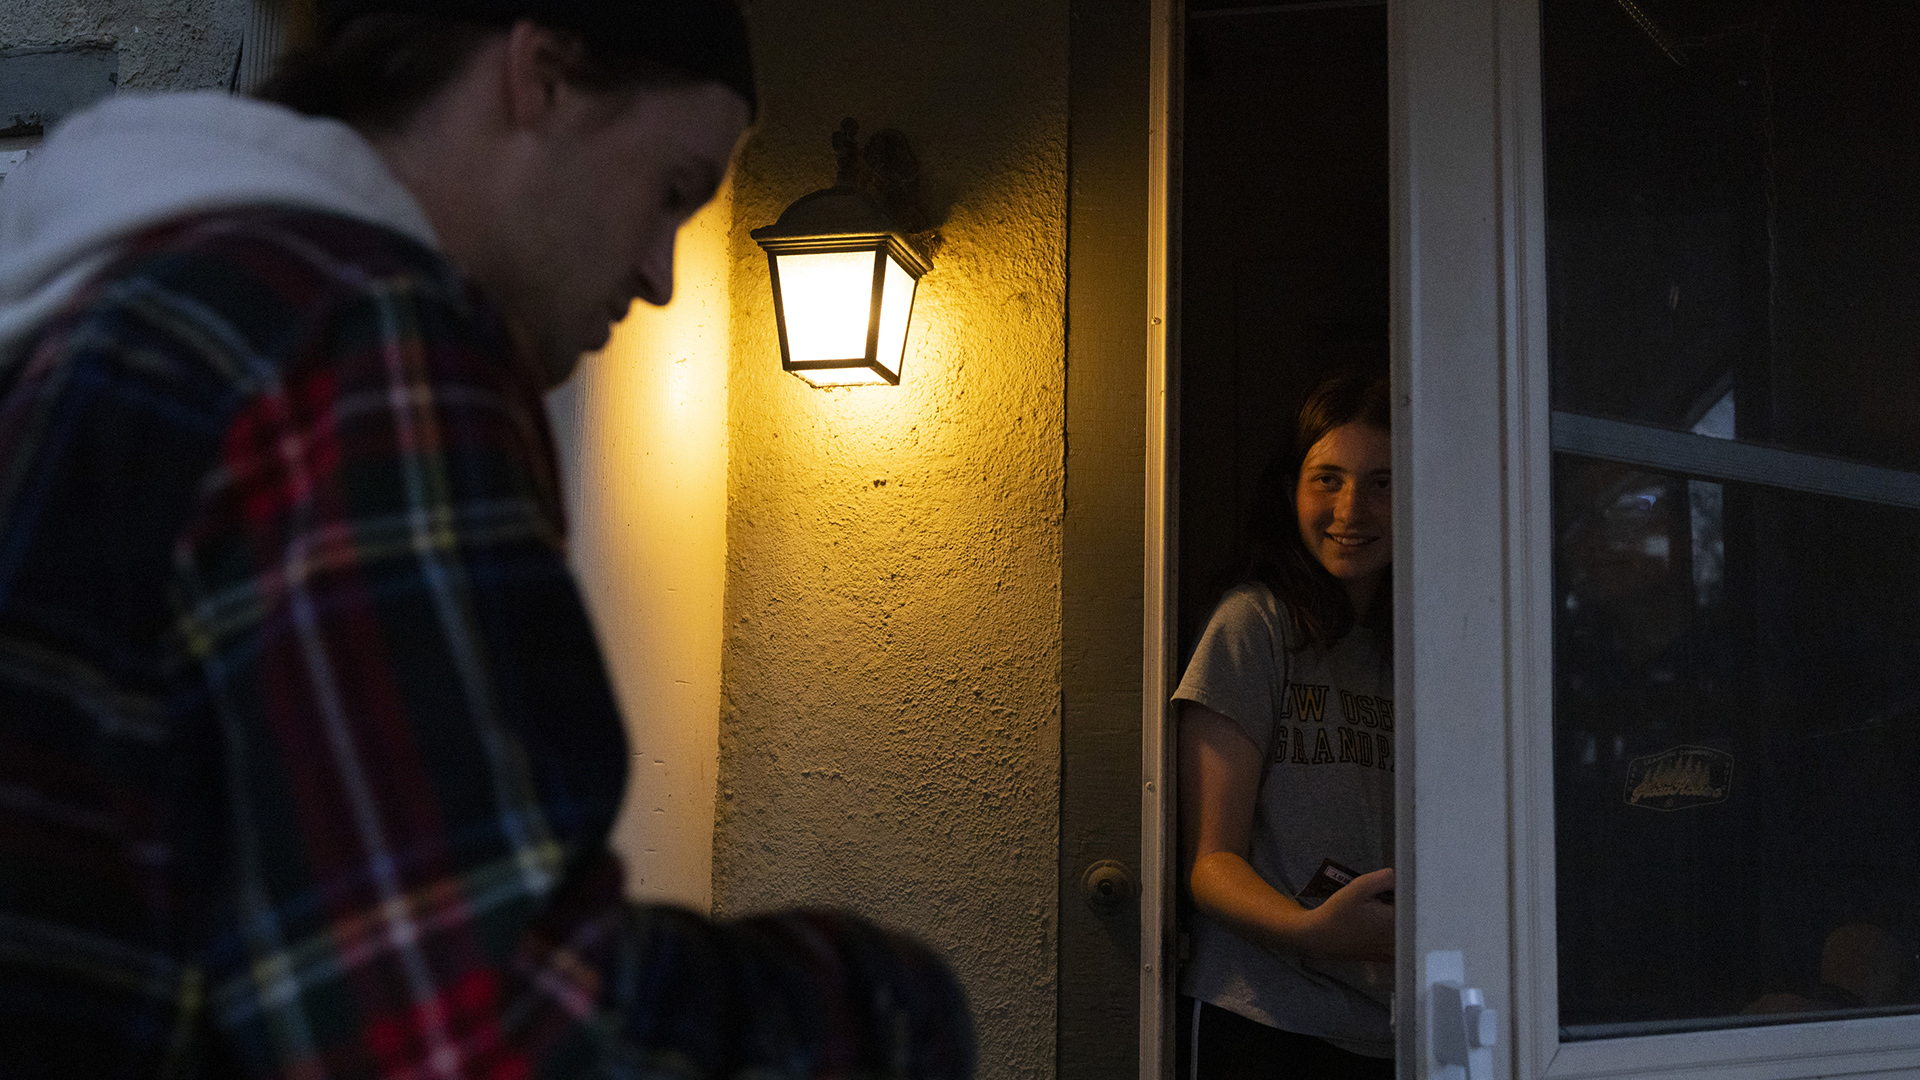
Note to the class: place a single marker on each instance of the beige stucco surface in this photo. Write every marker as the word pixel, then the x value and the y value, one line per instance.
pixel 643 440
pixel 163 44
pixel 890 709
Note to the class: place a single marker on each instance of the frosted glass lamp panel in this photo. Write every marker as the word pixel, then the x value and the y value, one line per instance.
pixel 895 305
pixel 826 298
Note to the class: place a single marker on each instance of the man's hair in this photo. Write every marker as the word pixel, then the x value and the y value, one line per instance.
pixel 375 63
pixel 1317 605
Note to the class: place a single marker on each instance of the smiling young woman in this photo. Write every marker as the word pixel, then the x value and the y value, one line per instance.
pixel 1286 767
pixel 1345 505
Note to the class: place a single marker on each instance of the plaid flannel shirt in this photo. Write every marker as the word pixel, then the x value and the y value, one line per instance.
pixel 307 756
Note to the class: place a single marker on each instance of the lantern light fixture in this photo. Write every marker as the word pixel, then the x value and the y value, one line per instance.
pixel 845 270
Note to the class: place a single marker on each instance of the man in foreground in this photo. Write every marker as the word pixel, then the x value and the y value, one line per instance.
pixel 307 758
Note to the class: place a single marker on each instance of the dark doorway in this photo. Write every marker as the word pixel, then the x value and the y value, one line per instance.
pixel 1284 263
pixel 1282 234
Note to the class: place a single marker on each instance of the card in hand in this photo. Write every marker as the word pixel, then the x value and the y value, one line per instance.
pixel 1330 879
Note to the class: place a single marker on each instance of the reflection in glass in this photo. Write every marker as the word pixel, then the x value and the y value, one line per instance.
pixel 1733 251
pixel 1744 221
pixel 1737 722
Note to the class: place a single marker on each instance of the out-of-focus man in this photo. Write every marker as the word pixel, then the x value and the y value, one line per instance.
pixel 307 757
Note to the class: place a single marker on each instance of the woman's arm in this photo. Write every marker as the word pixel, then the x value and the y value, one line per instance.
pixel 1219 782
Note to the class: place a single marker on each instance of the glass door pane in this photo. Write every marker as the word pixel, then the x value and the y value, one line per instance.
pixel 1732 221
pixel 1733 273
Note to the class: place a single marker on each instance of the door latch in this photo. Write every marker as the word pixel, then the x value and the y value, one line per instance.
pixel 1461 1028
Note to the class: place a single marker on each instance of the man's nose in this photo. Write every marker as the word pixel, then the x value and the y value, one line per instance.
pixel 654 281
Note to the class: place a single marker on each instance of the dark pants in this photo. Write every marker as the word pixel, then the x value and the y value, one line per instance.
pixel 1232 1047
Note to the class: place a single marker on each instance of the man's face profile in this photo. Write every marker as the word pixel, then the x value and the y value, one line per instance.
pixel 598 226
pixel 592 189
pixel 594 222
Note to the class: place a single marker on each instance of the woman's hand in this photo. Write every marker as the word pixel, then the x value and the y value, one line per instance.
pixel 1353 923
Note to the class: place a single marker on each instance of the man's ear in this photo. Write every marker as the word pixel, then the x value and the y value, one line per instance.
pixel 535 58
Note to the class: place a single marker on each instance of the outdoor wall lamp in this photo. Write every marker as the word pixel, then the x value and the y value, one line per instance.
pixel 844 269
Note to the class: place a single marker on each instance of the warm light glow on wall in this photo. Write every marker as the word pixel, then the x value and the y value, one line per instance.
pixel 643 428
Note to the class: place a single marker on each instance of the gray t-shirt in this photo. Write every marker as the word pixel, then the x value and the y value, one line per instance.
pixel 1323 720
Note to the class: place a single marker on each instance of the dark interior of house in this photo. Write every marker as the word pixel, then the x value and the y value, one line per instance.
pixel 1284 249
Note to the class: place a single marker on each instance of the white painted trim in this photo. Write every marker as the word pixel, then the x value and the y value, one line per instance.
pixel 1530 590
pixel 1727 459
pixel 1782 1052
pixel 1157 845
pixel 1457 349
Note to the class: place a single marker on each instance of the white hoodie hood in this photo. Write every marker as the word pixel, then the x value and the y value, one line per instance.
pixel 134 162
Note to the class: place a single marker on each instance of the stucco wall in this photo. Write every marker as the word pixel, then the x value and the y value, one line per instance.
pixel 163 44
pixel 643 441
pixel 890 711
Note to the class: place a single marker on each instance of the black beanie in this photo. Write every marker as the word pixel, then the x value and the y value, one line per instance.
pixel 702 39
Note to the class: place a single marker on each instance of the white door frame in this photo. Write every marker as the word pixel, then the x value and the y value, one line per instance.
pixel 1460 346
pixel 1158 839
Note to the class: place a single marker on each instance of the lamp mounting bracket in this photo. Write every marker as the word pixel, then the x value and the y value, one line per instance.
pixel 886 170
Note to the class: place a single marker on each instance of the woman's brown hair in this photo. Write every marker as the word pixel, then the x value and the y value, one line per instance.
pixel 1319 608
